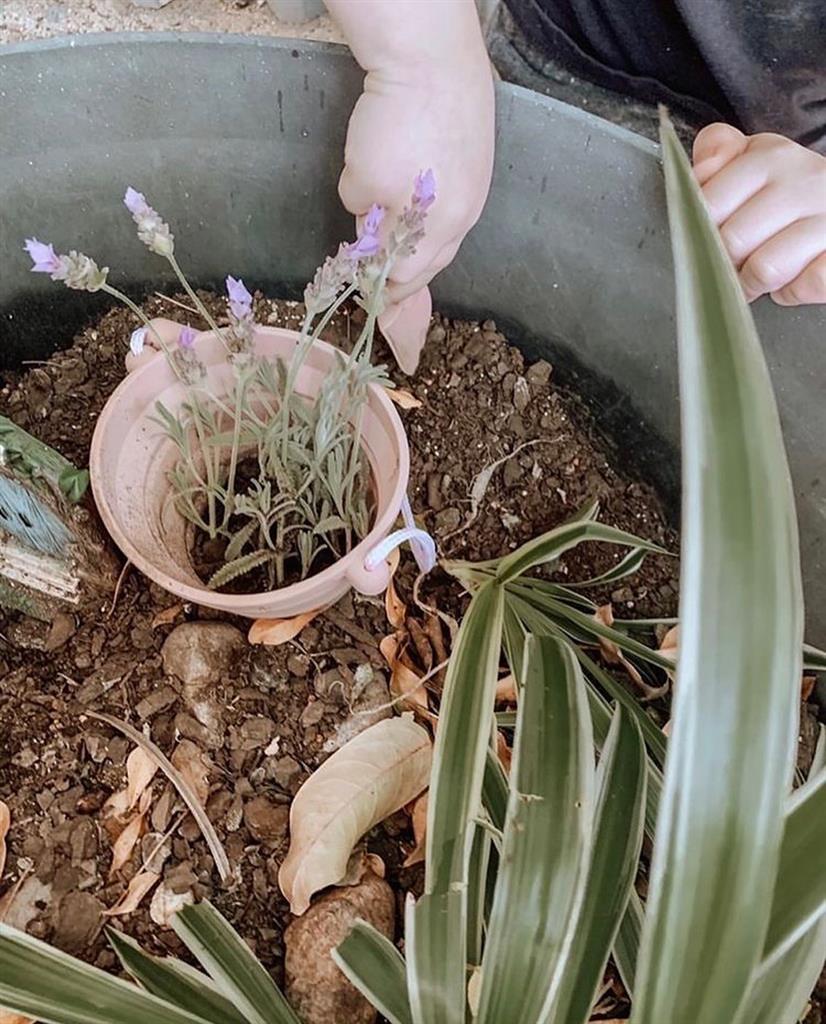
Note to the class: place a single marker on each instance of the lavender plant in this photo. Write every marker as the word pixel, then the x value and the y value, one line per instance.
pixel 278 479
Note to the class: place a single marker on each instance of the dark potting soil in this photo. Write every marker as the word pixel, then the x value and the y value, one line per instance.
pixel 267 716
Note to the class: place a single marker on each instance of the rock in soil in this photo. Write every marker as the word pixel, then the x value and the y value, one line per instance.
pixel 315 986
pixel 199 654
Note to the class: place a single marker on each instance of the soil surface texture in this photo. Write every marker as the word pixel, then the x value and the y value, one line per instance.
pixel 258 720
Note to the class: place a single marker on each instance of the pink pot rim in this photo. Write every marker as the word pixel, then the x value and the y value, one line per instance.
pixel 233 603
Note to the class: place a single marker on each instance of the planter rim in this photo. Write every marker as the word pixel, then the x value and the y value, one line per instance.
pixel 299 47
pixel 354 573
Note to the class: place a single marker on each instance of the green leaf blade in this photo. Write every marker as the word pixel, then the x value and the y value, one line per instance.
pixel 547 837
pixel 44 983
pixel 374 965
pixel 230 963
pixel 618 832
pixel 732 746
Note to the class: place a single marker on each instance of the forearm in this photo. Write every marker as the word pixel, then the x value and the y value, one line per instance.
pixel 384 34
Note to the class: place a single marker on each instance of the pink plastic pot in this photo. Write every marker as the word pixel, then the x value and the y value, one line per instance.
pixel 131 457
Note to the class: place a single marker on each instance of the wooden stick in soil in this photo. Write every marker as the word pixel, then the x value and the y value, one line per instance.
pixel 181 785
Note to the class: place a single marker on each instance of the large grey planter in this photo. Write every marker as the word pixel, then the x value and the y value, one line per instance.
pixel 240 141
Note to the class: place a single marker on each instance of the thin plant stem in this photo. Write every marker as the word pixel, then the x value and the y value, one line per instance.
pixel 199 305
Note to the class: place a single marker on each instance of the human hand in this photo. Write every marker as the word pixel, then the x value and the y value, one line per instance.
pixel 767 195
pixel 428 103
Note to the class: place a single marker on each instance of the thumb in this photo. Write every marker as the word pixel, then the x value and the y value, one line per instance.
pixel 404 324
pixel 715 146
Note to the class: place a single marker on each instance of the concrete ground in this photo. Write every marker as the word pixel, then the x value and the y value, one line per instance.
pixel 39 19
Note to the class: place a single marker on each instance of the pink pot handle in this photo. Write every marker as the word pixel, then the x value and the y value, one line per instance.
pixel 369 582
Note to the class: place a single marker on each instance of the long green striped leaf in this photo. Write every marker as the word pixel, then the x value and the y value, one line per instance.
pixel 42 982
pixel 618 830
pixel 627 942
pixel 374 965
pixel 174 981
pixel 731 751
pixel 435 946
pixel 462 739
pixel 478 896
pixel 799 897
pixel 229 961
pixel 552 545
pixel 542 596
pixel 779 995
pixel 437 950
pixel 546 844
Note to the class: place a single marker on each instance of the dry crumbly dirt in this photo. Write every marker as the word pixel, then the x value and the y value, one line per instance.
pixel 40 19
pixel 272 713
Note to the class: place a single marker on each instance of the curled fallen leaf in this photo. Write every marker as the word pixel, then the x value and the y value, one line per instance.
pixel 418 816
pixel 274 632
pixel 5 825
pixel 406 686
pixel 403 398
pixel 140 771
pixel 368 779
pixel 167 616
pixel 503 751
pixel 670 646
pixel 394 607
pixel 139 886
pixel 613 655
pixel 806 689
pixel 194 766
pixel 125 842
pixel 7 1017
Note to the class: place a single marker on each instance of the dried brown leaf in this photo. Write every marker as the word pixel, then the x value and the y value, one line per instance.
pixel 394 607
pixel 406 686
pixel 806 688
pixel 194 766
pixel 274 632
pixel 418 815
pixel 503 751
pixel 7 1017
pixel 140 771
pixel 612 654
pixel 369 778
pixel 167 616
pixel 190 798
pixel 125 843
pixel 5 825
pixel 402 398
pixel 140 885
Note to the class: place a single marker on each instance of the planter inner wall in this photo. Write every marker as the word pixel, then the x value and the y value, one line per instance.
pixel 239 142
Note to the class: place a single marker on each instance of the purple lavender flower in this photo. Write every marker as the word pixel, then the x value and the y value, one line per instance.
pixel 186 339
pixel 424 189
pixel 136 203
pixel 152 231
pixel 240 300
pixel 372 222
pixel 365 245
pixel 46 260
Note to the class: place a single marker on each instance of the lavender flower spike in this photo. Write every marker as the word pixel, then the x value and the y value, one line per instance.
pixel 186 339
pixel 46 260
pixel 424 189
pixel 240 300
pixel 367 243
pixel 152 231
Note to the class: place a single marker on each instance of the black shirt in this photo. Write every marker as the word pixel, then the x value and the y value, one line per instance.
pixel 759 64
